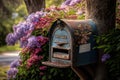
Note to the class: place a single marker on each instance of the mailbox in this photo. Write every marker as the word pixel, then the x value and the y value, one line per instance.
pixel 71 43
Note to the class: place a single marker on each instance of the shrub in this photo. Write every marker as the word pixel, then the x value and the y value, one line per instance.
pixel 110 44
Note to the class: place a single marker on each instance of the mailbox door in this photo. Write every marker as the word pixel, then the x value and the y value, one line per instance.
pixel 86 53
pixel 61 44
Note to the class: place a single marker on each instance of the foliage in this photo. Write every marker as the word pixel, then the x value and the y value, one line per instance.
pixel 10 48
pixel 12 12
pixel 53 2
pixel 3 70
pixel 34 43
pixel 118 14
pixel 110 44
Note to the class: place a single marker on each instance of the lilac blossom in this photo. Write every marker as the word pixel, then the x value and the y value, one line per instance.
pixel 23 29
pixel 15 27
pixel 23 43
pixel 105 57
pixel 12 73
pixel 20 30
pixel 11 39
pixel 70 3
pixel 33 42
pixel 65 4
pixel 30 18
pixel 15 63
pixel 73 2
pixel 34 17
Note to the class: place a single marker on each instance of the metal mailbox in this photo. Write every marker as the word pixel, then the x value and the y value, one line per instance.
pixel 71 43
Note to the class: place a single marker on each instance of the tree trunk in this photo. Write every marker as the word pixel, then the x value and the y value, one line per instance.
pixel 103 13
pixel 34 5
pixel 3 10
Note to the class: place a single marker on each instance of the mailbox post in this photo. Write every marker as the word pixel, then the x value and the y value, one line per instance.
pixel 71 44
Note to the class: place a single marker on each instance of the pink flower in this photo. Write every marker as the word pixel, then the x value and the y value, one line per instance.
pixel 43 22
pixel 41 73
pixel 40 57
pixel 42 67
pixel 42 39
pixel 32 60
pixel 79 12
pixel 36 51
pixel 29 64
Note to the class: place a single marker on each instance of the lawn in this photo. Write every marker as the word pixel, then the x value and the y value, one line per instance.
pixel 3 70
pixel 9 48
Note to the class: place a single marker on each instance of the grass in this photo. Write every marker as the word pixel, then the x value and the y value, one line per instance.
pixel 9 48
pixel 3 70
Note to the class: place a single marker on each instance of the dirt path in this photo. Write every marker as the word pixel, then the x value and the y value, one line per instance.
pixel 7 57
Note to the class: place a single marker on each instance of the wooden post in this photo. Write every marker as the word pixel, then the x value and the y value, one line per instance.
pixel 79 72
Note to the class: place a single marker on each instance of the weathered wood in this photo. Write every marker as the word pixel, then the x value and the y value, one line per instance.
pixel 103 13
pixel 34 5
pixel 80 73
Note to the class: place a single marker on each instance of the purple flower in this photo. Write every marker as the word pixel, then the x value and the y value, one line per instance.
pixel 34 17
pixel 12 73
pixel 11 39
pixel 33 60
pixel 105 57
pixel 67 2
pixel 23 43
pixel 15 27
pixel 70 3
pixel 33 42
pixel 15 64
pixel 73 2
pixel 23 30
pixel 30 17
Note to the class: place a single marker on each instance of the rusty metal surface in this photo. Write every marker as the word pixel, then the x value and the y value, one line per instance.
pixel 69 39
pixel 82 30
pixel 55 64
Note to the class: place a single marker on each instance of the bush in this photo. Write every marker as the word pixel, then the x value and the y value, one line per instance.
pixel 110 44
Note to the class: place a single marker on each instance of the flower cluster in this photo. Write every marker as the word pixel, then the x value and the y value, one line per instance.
pixel 33 60
pixel 13 69
pixel 105 57
pixel 22 31
pixel 70 3
pixel 43 22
